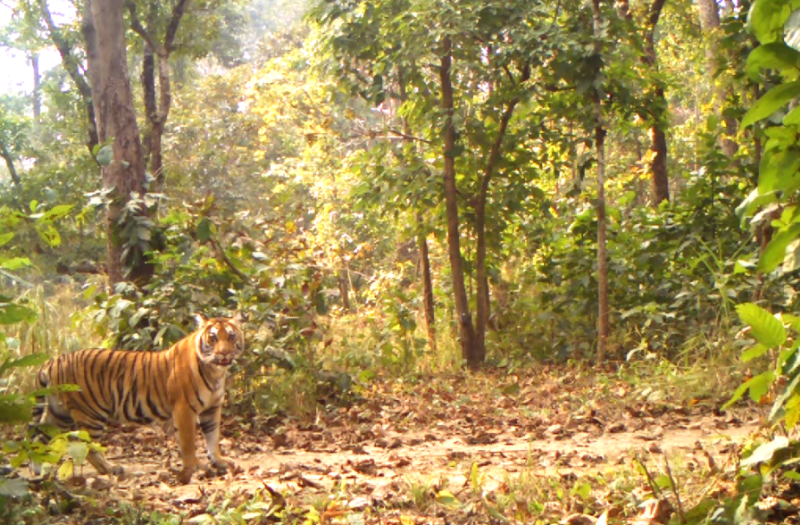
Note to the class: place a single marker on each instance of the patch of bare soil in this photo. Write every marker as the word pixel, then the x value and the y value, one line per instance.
pixel 435 432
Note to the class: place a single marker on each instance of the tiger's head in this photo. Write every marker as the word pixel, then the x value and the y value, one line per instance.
pixel 220 339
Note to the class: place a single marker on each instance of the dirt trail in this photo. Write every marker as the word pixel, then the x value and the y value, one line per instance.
pixel 398 435
pixel 381 467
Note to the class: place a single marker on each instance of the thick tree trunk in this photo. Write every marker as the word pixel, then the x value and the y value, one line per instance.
pixel 104 31
pixel 469 351
pixel 658 110
pixel 658 166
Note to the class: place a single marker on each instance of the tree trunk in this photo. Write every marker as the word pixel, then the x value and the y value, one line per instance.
pixel 602 256
pixel 37 90
pixel 658 166
pixel 427 286
pixel 469 350
pixel 709 24
pixel 658 108
pixel 422 242
pixel 156 60
pixel 104 31
pixel 481 276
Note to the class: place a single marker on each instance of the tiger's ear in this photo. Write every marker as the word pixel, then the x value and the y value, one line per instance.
pixel 200 319
pixel 238 318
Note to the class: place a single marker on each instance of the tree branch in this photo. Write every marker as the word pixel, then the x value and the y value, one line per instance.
pixel 140 30
pixel 71 66
pixel 172 28
pixel 12 170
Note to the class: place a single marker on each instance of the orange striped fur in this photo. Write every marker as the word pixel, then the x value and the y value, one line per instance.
pixel 184 384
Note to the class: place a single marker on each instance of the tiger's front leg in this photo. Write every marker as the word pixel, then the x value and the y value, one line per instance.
pixel 209 425
pixel 186 425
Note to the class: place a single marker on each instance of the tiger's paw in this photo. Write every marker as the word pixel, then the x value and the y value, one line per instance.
pixel 223 465
pixel 219 468
pixel 185 475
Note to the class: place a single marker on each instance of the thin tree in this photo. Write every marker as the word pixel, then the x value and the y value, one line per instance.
pixel 603 327
pixel 470 350
pixel 655 110
pixel 156 64
pixel 708 11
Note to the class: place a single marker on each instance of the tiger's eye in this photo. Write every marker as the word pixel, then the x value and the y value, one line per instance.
pixel 212 337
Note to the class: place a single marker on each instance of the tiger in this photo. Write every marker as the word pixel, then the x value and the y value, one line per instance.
pixel 182 387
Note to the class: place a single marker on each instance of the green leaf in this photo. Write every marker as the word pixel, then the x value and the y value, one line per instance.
pixel 78 450
pixel 66 470
pixel 13 487
pixel 28 360
pixel 57 212
pixel 5 238
pixel 765 452
pixel 204 230
pixel 11 313
pixel 775 55
pixel 775 252
pixel 770 102
pixel 793 117
pixel 764 327
pixel 15 408
pixel 49 234
pixel 15 263
pixel 446 498
pixel 778 170
pixel 106 155
pixel 663 482
pixel 766 18
pixel 752 202
pixel 582 490
pixel 792 411
pixel 754 352
pixel 758 386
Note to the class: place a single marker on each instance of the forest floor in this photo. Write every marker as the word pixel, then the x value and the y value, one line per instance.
pixel 485 448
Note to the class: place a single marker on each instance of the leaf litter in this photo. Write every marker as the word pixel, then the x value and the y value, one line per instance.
pixel 452 449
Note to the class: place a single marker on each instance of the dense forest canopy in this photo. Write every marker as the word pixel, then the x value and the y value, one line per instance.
pixel 405 184
pixel 416 156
